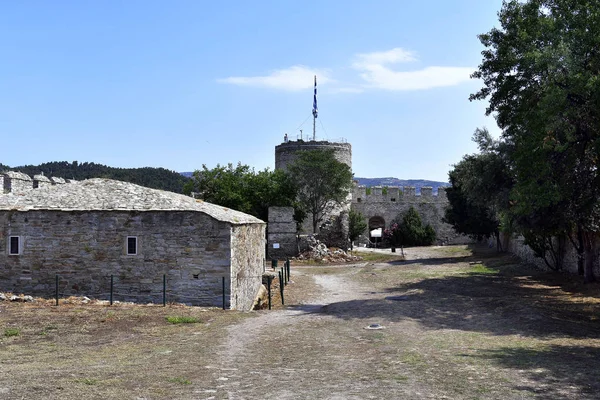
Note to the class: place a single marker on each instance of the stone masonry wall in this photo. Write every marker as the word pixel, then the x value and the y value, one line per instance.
pixel 17 182
pixel 85 248
pixel 389 202
pixel 517 246
pixel 247 264
pixel 282 231
pixel 285 153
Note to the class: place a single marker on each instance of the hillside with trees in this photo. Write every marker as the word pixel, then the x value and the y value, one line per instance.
pixel 157 178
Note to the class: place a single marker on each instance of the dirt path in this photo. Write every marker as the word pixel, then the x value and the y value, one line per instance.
pixel 308 351
pixel 446 335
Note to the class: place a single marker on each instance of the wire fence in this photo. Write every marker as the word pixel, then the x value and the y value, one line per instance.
pixel 207 291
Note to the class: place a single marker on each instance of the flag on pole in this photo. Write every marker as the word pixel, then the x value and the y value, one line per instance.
pixel 315 109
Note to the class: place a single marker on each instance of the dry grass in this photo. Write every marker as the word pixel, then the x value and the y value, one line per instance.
pixel 457 325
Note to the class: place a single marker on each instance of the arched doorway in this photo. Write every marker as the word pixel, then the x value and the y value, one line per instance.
pixel 376 223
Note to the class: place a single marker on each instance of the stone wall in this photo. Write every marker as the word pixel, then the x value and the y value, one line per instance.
pixel 17 182
pixel 282 232
pixel 85 247
pixel 389 202
pixel 285 153
pixel 517 246
pixel 40 181
pixel 20 183
pixel 247 264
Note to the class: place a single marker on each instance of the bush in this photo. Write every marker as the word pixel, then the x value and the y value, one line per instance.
pixel 409 231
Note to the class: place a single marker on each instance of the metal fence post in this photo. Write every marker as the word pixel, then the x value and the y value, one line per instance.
pixel 281 285
pixel 111 290
pixel 56 292
pixel 223 286
pixel 164 290
pixel 269 278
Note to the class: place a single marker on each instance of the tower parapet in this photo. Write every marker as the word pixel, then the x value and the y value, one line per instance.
pixel 286 152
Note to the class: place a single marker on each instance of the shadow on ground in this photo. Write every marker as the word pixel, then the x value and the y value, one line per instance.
pixel 508 298
pixel 554 371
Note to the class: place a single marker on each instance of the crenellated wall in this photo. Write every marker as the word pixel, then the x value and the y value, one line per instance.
pixel 20 183
pixel 390 202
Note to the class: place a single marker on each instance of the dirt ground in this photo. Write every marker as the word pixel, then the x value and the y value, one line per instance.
pixel 455 323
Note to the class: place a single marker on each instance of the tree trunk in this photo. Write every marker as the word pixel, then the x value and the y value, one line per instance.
pixel 498 244
pixel 580 255
pixel 589 240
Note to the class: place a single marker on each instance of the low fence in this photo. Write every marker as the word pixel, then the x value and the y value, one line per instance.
pixel 283 275
pixel 211 291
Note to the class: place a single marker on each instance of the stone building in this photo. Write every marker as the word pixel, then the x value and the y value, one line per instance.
pixel 86 231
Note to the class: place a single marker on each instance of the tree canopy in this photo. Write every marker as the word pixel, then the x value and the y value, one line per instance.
pixel 480 191
pixel 322 181
pixel 541 75
pixel 243 189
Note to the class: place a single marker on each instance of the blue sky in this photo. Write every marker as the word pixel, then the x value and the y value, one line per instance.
pixel 179 84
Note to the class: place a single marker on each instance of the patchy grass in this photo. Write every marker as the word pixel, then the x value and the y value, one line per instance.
pixel 181 381
pixel 9 332
pixel 87 381
pixel 481 269
pixel 491 330
pixel 182 320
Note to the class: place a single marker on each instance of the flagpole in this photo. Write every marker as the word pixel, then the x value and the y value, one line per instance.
pixel 315 112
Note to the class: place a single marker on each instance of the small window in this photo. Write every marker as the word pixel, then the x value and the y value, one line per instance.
pixel 14 246
pixel 132 246
pixel 393 199
pixel 358 199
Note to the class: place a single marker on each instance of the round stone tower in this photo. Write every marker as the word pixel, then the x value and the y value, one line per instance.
pixel 286 152
pixel 334 231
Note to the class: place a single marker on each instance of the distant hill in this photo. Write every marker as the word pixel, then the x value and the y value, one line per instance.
pixel 417 183
pixel 157 178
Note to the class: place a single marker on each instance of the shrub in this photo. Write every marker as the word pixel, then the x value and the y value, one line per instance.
pixel 409 231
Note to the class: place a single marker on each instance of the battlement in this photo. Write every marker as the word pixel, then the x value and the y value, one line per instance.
pixel 19 183
pixel 393 194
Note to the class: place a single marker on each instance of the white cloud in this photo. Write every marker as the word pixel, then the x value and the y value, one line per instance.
pixel 297 77
pixel 375 71
pixel 431 77
pixel 394 55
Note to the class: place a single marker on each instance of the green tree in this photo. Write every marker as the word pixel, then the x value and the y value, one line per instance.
pixel 479 198
pixel 243 189
pixel 322 181
pixel 408 230
pixel 541 71
pixel 356 226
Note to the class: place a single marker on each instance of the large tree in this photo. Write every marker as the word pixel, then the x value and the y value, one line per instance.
pixel 323 182
pixel 479 198
pixel 541 74
pixel 243 189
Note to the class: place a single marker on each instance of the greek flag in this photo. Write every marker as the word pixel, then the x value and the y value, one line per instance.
pixel 315 108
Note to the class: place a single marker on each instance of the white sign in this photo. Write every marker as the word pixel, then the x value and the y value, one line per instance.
pixel 275 245
pixel 376 232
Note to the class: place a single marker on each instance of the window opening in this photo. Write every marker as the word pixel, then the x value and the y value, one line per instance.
pixel 14 245
pixel 131 245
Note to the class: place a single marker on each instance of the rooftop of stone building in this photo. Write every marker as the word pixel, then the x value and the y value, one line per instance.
pixel 17 175
pixel 100 194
